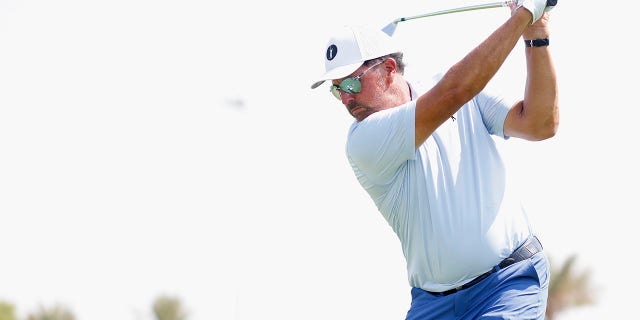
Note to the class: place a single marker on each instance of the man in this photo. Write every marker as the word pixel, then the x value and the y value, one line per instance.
pixel 429 162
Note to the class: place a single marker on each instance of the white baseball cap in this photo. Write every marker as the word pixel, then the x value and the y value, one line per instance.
pixel 350 47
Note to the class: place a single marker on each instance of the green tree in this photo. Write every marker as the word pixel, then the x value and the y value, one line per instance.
pixel 7 311
pixel 169 308
pixel 56 312
pixel 568 288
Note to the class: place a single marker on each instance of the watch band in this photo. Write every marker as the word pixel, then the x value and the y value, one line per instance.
pixel 536 42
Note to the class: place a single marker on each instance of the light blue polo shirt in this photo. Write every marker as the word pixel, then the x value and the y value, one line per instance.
pixel 448 201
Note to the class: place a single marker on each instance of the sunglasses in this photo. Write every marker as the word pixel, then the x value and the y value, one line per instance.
pixel 350 85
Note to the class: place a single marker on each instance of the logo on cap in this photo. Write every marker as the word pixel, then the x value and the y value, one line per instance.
pixel 331 52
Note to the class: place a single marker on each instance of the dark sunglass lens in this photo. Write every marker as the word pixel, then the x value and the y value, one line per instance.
pixel 351 85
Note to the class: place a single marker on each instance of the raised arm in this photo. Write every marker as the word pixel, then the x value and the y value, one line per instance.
pixel 537 116
pixel 469 76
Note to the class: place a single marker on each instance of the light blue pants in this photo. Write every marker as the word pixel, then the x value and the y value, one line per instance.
pixel 517 292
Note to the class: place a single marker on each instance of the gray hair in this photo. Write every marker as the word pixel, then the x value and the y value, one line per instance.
pixel 397 56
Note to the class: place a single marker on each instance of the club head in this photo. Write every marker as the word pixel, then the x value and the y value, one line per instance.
pixel 390 28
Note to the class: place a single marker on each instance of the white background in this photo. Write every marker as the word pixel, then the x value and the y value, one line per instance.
pixel 165 147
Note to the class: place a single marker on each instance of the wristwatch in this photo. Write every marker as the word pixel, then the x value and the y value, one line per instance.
pixel 536 42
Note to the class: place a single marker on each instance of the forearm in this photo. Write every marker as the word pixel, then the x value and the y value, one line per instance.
pixel 537 116
pixel 540 106
pixel 469 76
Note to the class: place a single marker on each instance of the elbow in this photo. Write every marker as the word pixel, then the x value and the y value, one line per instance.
pixel 544 130
pixel 544 133
pixel 535 125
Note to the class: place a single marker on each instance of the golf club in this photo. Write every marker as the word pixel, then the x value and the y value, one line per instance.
pixel 391 27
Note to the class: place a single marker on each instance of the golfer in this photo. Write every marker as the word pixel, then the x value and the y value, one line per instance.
pixel 428 159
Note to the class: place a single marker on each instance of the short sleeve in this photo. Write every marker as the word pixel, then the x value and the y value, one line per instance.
pixel 381 143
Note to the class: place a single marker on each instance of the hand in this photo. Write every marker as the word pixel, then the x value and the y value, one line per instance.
pixel 539 29
pixel 536 7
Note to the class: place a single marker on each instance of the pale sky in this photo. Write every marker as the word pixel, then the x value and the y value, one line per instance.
pixel 165 147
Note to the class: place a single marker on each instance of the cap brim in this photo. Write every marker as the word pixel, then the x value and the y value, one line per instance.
pixel 337 73
pixel 317 84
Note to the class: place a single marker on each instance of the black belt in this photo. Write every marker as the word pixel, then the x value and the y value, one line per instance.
pixel 524 252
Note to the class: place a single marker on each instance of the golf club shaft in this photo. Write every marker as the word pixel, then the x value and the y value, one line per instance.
pixel 455 10
pixel 391 27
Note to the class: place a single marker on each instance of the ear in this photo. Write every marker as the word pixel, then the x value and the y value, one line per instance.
pixel 390 65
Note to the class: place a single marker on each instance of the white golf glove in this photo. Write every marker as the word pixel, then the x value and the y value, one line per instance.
pixel 536 7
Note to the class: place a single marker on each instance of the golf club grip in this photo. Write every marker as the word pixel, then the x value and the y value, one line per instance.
pixel 551 3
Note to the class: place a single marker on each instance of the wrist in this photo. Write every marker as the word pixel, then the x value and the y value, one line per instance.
pixel 539 42
pixel 537 31
pixel 535 35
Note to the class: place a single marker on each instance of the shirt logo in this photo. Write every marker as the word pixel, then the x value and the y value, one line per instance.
pixel 331 52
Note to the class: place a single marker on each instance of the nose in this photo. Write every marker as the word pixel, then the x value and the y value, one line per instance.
pixel 346 97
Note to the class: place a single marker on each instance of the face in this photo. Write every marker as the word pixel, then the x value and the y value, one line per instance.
pixel 359 91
